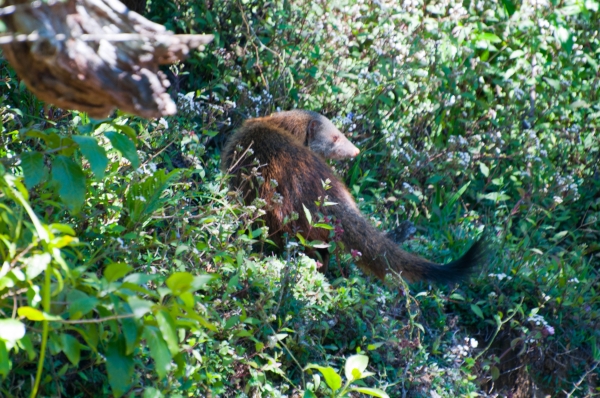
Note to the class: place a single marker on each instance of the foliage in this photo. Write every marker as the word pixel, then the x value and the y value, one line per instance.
pixel 128 268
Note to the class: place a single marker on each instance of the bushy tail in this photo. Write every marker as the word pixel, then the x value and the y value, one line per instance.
pixel 380 254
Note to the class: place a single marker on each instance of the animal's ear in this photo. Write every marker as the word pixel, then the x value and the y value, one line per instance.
pixel 311 130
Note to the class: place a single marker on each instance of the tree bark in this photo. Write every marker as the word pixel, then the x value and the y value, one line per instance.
pixel 93 55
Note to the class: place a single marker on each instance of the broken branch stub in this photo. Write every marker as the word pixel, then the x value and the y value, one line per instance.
pixel 93 55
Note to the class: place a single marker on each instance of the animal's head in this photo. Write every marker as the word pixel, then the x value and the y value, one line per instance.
pixel 316 132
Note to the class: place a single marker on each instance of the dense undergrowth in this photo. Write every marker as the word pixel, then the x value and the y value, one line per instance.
pixel 129 268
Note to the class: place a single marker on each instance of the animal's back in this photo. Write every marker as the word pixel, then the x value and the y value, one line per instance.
pixel 299 174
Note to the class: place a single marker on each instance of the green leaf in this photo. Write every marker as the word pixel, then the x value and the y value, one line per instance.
pixel 307 214
pixel 71 182
pixel 167 328
pixel 129 329
pixel 555 84
pixel 456 296
pixel 119 368
pixel 231 322
pixel 202 280
pixel 11 329
pixel 309 394
pixel 33 167
pixel 123 144
pixel 579 104
pixel 475 308
pixel 180 282
pixel 36 264
pixel 82 306
pixel 495 372
pixel 158 351
pixel 71 348
pixel 5 362
pixel 564 36
pixel 151 392
pixel 127 130
pixel 355 366
pixel 560 235
pixel 495 196
pixel 510 7
pixel 375 392
pixel 457 195
pixel 36 315
pixel 94 153
pixel 333 380
pixel 139 307
pixel 489 37
pixel 116 271
pixel 484 169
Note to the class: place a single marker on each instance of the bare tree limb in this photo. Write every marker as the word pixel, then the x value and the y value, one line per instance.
pixel 93 55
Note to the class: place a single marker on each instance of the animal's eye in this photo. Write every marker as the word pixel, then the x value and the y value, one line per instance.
pixel 336 138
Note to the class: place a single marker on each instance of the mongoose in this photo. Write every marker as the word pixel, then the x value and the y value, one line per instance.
pixel 314 131
pixel 300 173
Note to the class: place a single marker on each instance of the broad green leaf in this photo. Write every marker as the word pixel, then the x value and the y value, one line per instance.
pixel 484 169
pixel 36 315
pixel 167 328
pixel 231 322
pixel 510 7
pixel 495 196
pixel 11 329
pixel 158 350
pixel 180 282
pixel 123 144
pixel 26 343
pixel 139 279
pixel 355 366
pixel 333 380
pixel 36 264
pixel 71 348
pixel 555 84
pixel 71 182
pixel 375 392
pixel 495 372
pixel 517 54
pixel 116 271
pixel 201 280
pixel 489 37
pixel 33 167
pixel 94 153
pixel 81 306
pixel 130 332
pixel 139 306
pixel 151 392
pixel 475 308
pixel 119 367
pixel 564 36
pixel 309 394
pixel 579 104
pixel 127 130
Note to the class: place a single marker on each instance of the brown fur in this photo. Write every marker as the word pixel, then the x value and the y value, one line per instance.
pixel 299 173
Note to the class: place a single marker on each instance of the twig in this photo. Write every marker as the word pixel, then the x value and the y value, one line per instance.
pixel 576 385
